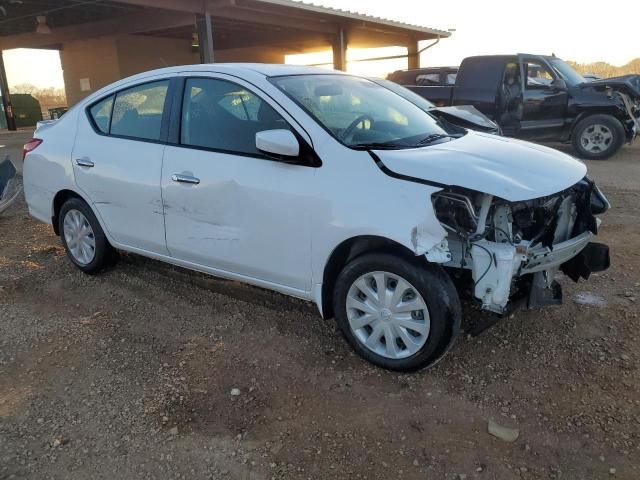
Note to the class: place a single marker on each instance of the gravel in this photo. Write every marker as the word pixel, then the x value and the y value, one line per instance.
pixel 131 374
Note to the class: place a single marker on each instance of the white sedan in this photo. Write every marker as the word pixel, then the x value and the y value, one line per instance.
pixel 320 185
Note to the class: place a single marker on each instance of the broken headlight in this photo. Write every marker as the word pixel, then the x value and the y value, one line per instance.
pixel 455 212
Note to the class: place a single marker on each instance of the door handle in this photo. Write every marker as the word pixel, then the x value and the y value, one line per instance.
pixel 176 177
pixel 84 162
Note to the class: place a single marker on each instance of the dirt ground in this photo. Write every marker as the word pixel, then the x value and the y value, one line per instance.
pixel 129 375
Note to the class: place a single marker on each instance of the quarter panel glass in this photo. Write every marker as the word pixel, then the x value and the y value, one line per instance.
pixel 101 113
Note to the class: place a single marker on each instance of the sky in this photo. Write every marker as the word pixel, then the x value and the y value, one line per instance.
pixel 580 30
pixel 38 67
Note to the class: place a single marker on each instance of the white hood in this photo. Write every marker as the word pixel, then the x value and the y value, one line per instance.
pixel 503 167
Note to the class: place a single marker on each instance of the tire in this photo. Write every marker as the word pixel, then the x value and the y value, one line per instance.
pixel 598 137
pixel 428 285
pixel 93 253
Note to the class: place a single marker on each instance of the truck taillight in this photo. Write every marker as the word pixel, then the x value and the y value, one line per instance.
pixel 30 146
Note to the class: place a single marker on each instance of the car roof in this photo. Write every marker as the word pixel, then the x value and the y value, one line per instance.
pixel 273 69
pixel 266 69
pixel 242 70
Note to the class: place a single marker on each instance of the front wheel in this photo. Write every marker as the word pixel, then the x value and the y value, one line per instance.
pixel 397 314
pixel 598 137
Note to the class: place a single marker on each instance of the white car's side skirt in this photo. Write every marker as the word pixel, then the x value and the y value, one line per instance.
pixel 294 292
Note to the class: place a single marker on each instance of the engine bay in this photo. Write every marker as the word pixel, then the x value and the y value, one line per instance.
pixel 515 249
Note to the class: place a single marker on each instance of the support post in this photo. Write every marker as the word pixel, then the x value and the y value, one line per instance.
pixel 413 55
pixel 205 37
pixel 6 96
pixel 340 50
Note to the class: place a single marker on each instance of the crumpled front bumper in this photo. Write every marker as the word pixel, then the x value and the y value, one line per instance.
pixel 543 258
pixel 497 268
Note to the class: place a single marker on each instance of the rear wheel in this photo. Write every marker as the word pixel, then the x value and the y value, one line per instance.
pixel 83 238
pixel 598 137
pixel 397 314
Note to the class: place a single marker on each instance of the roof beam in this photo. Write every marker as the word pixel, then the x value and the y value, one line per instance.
pixel 289 41
pixel 190 6
pixel 133 23
pixel 264 17
pixel 362 37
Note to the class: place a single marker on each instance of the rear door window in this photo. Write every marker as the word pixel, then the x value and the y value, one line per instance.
pixel 137 111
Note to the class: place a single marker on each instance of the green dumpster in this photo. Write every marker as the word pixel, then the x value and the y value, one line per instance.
pixel 26 109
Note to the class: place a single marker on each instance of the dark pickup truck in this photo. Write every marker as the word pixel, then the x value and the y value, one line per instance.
pixel 542 98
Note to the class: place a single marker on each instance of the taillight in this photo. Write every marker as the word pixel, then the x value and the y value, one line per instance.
pixel 30 146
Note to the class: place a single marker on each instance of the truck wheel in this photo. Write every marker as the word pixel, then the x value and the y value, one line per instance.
pixel 397 314
pixel 598 137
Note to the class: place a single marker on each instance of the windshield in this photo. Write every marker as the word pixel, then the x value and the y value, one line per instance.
pixel 405 93
pixel 565 70
pixel 362 114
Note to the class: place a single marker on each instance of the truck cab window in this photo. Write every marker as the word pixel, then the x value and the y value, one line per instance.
pixel 537 75
pixel 428 79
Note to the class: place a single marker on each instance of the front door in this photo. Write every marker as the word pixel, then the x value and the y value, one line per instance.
pixel 544 101
pixel 227 206
pixel 117 161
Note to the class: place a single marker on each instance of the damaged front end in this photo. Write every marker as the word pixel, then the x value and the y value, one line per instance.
pixel 513 250
pixel 626 91
pixel 9 186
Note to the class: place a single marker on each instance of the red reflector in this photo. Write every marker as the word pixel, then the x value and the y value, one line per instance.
pixel 30 146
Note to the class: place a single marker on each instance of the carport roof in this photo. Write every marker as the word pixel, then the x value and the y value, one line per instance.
pixel 348 14
pixel 79 19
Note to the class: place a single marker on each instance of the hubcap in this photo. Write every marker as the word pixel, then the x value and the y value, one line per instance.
pixel 596 138
pixel 388 315
pixel 79 237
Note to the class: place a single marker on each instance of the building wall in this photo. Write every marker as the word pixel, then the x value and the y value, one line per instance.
pixel 94 61
pixel 98 62
pixel 139 53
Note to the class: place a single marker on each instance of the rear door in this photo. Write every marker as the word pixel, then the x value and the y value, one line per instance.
pixel 544 101
pixel 117 161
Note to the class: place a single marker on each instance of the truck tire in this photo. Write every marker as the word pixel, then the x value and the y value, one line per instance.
pixel 397 314
pixel 598 137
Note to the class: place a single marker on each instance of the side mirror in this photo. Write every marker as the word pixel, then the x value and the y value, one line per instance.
pixel 559 84
pixel 280 143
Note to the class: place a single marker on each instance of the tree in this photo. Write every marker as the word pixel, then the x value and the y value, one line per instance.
pixel 606 70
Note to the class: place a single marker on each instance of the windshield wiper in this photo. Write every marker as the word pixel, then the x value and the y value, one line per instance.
pixel 378 146
pixel 436 136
